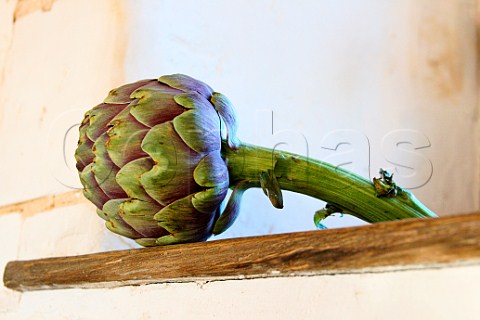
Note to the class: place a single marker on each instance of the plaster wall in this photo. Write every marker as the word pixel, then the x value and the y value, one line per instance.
pixel 313 75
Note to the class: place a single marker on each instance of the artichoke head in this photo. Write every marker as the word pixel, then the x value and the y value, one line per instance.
pixel 149 158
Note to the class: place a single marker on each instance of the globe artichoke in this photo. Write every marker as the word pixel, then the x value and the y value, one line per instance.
pixel 154 159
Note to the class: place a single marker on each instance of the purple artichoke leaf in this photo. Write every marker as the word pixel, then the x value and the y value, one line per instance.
pixel 100 117
pixel 192 100
pixel 153 104
pixel 121 95
pixel 186 84
pixel 91 190
pixel 125 137
pixel 83 154
pixel 105 170
pixel 115 223
pixel 228 115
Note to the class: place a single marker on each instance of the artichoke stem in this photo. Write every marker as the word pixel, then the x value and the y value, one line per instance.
pixel 338 187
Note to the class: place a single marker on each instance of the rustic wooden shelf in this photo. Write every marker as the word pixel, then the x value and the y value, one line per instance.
pixel 399 245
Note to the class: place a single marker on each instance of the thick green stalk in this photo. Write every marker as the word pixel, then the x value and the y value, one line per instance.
pixel 340 188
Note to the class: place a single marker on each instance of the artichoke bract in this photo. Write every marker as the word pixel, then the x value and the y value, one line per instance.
pixel 157 158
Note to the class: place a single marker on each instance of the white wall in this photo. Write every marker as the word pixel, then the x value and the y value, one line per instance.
pixel 322 68
pixel 417 295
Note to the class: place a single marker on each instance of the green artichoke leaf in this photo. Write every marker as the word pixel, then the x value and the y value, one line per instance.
pixel 231 211
pixel 227 113
pixel 168 240
pixel 271 188
pixel 91 190
pixel 191 100
pixel 186 84
pixel 115 223
pixel 102 214
pixel 209 200
pixel 129 178
pixel 105 170
pixel 147 242
pixel 125 137
pixel 318 218
pixel 211 171
pixel 139 215
pixel 154 104
pixel 121 95
pixel 171 176
pixel 199 127
pixel 324 213
pixel 184 222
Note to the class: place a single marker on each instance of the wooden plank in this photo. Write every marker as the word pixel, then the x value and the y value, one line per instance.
pixel 398 245
pixel 45 203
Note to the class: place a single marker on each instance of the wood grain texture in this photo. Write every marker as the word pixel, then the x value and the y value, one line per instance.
pixel 399 245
